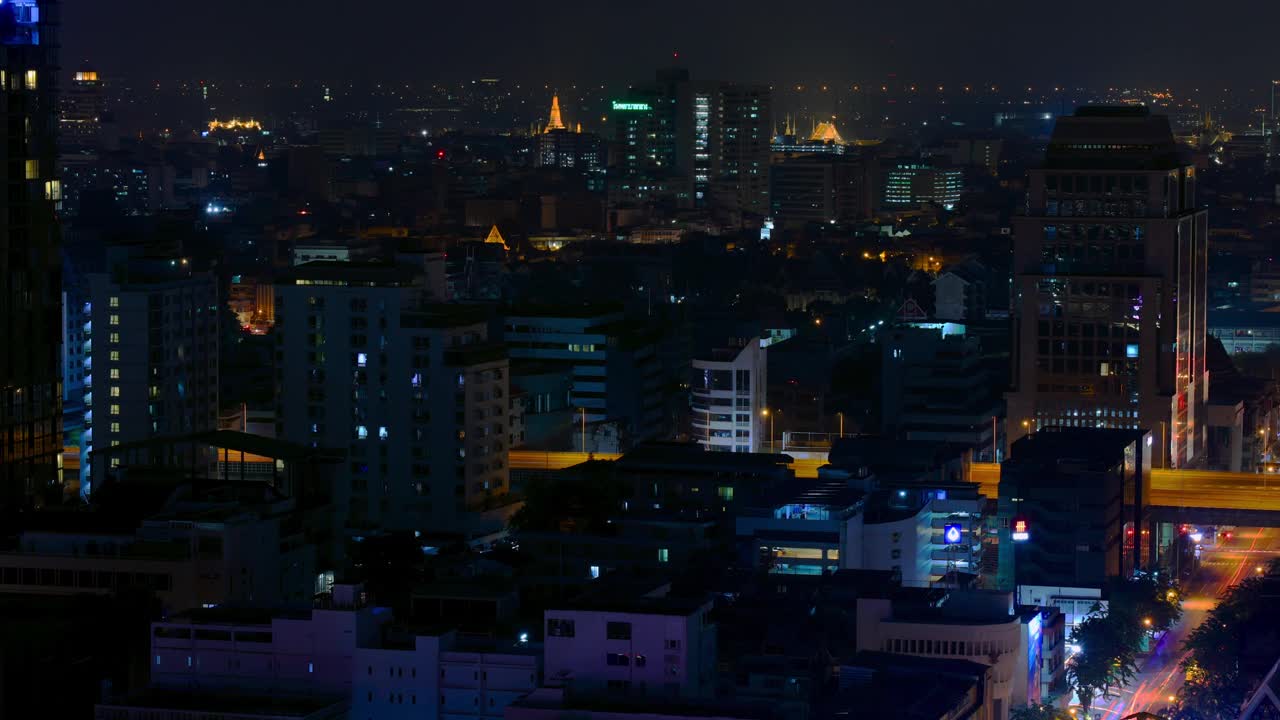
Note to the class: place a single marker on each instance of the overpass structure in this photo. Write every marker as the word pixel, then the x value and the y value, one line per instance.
pixel 1190 496
pixel 555 460
pixel 1177 496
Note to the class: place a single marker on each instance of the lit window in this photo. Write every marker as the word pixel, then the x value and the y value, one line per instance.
pixel 115 462
pixel 115 373
pixel 53 190
pixel 663 555
pixel 382 432
pixel 115 427
pixel 115 410
pixel 114 301
pixel 114 338
pixel 115 356
pixel 417 380
pixel 33 169
pixel 362 432
pixel 595 572
pixel 115 391
pixel 362 359
pixel 113 320
pixel 31 79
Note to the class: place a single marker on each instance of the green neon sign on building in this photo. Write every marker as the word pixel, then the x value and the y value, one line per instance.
pixel 631 106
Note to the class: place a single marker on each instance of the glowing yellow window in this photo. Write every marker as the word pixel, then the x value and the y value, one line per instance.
pixel 31 79
pixel 33 169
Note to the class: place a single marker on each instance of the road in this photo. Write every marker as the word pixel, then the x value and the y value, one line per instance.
pixel 1220 567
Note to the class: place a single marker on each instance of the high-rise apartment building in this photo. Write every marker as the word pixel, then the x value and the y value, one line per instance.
pixel 151 365
pixel 412 391
pixel 30 281
pixel 1110 263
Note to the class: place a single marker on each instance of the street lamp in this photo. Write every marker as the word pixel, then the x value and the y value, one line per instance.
pixel 1146 622
pixel 765 413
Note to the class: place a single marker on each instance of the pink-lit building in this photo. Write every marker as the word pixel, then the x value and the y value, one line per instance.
pixel 655 645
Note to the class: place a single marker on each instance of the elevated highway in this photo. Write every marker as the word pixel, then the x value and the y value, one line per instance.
pixel 1201 496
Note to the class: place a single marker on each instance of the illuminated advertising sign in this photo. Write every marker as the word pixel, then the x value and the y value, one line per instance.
pixel 952 534
pixel 1021 531
pixel 1034 635
pixel 631 106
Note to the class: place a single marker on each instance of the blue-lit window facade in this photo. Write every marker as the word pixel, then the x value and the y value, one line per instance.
pixel 20 22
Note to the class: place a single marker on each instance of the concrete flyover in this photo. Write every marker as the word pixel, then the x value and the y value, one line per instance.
pixel 1191 496
pixel 543 460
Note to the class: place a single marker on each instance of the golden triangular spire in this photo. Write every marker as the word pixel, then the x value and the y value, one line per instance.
pixel 496 238
pixel 554 123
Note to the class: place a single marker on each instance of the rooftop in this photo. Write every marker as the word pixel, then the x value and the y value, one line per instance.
pixel 1115 138
pixel 272 705
pixel 373 274
pixel 650 707
pixel 1097 448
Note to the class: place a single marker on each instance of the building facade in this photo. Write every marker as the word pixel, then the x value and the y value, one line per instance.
pixel 656 646
pixel 414 392
pixel 152 365
pixel 617 375
pixel 936 386
pixel 910 183
pixel 1109 286
pixel 728 396
pixel 30 276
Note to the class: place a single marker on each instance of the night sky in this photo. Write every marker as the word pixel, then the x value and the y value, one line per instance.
pixel 1176 42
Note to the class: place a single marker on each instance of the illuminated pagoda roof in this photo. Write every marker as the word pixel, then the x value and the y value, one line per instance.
pixel 826 133
pixel 495 237
pixel 555 123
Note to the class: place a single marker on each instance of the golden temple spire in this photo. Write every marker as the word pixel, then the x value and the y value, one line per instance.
pixel 554 123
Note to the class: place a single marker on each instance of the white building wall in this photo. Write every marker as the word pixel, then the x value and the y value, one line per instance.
pixel 678 652
pixel 732 419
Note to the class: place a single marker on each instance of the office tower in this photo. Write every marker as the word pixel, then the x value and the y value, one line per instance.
pixel 152 364
pixel 740 155
pixel 30 292
pixel 821 189
pixel 1109 263
pixel 728 399
pixel 699 144
pixel 412 392
pixel 82 107
pixel 909 183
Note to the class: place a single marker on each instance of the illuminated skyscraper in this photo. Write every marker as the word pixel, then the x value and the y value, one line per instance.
pixel 1110 263
pixel 30 317
pixel 82 109
pixel 699 143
